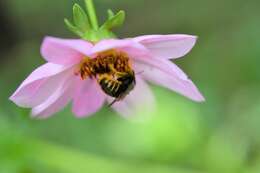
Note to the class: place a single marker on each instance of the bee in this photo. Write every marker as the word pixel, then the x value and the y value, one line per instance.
pixel 113 72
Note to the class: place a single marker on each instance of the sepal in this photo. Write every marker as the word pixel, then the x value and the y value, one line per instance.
pixel 114 21
pixel 73 28
pixel 110 14
pixel 80 18
pixel 82 27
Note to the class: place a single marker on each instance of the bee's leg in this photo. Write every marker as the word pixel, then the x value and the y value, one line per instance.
pixel 108 79
pixel 113 70
pixel 117 100
pixel 113 102
pixel 140 72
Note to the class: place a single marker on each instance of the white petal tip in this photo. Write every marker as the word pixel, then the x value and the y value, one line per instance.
pixel 199 99
pixel 39 115
pixel 34 114
pixel 195 37
pixel 18 102
pixel 11 98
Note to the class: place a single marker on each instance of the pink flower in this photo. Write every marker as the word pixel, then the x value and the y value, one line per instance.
pixel 53 85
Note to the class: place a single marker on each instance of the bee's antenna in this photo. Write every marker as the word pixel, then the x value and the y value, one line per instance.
pixel 113 102
pixel 140 72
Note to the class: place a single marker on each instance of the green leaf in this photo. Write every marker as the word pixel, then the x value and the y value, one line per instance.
pixel 110 13
pixel 80 18
pixel 115 21
pixel 73 28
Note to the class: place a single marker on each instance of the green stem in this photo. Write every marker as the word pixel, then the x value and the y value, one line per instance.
pixel 92 14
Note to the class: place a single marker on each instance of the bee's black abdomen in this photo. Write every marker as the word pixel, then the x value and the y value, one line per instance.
pixel 118 88
pixel 128 81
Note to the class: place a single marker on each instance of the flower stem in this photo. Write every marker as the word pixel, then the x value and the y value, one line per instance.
pixel 92 14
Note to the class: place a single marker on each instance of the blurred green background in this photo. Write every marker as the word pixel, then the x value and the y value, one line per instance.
pixel 220 135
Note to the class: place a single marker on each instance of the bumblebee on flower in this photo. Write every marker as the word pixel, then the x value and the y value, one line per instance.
pixel 99 69
pixel 113 72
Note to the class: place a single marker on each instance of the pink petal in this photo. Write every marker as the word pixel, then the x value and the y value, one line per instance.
pixel 139 101
pixel 40 84
pixel 165 65
pixel 57 101
pixel 64 51
pixel 129 46
pixel 168 46
pixel 88 98
pixel 170 76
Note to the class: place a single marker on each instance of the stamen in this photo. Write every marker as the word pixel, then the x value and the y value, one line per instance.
pixel 110 61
